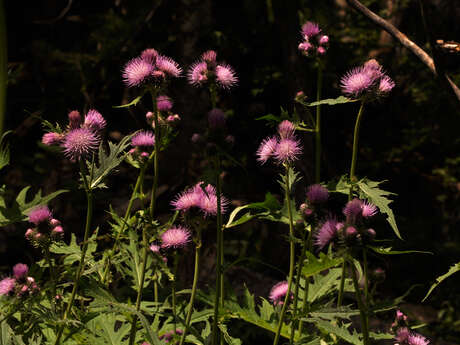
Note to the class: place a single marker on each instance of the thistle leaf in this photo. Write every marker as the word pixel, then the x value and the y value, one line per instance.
pixel 453 269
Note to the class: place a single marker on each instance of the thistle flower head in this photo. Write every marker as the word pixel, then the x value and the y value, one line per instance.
pixel 186 200
pixel 353 209
pixel 286 129
pixel 144 139
pixel 357 81
pixel 168 66
pixel 323 39
pixel 317 194
pixel 287 151
pixel 20 271
pixel 267 149
pixel 417 339
pixel 216 118
pixel 74 119
pixel 149 55
pixel 7 286
pixel 321 50
pixel 209 56
pixel 40 214
pixel 225 76
pixel 368 209
pixel 278 292
pixel 94 121
pixel 155 248
pixel 137 71
pixel 402 334
pixel 326 233
pixel 198 73
pixel 164 103
pixel 80 142
pixel 386 85
pixel 52 138
pixel 208 204
pixel 310 29
pixel 176 237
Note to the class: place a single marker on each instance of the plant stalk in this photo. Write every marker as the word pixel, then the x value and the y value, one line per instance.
pixel 307 284
pixel 291 260
pixel 342 284
pixel 361 306
pixel 318 127
pixel 354 156
pixel 194 285
pixel 89 215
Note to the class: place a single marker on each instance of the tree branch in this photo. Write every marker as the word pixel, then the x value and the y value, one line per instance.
pixel 405 41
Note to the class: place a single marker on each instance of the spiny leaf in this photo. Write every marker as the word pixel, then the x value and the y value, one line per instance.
pixel 389 251
pixel 341 332
pixel 379 197
pixel 228 339
pixel 133 102
pixel 4 151
pixel 332 101
pixel 453 269
pixel 316 265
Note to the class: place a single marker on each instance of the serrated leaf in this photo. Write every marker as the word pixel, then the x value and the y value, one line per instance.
pixel 389 251
pixel 332 101
pixel 379 198
pixel 334 313
pixel 453 269
pixel 341 332
pixel 228 339
pixel 314 265
pixel 341 186
pixel 106 162
pixel 4 151
pixel 133 102
pixel 107 327
pixel 380 336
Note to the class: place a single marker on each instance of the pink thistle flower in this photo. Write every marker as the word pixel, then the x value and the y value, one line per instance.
pixel 94 121
pixel 278 292
pixel 155 248
pixel 164 103
pixel 168 66
pixel 209 56
pixel 386 84
pixel 55 222
pixel 7 286
pixel 208 204
pixel 149 55
pixel 305 47
pixel 143 139
pixel 368 209
pixel 321 50
pixel 198 73
pixel 357 81
pixel 20 270
pixel 353 209
pixel 225 76
pixel 400 316
pixel 286 129
pixel 310 29
pixel 317 194
pixel 137 71
pixel 216 118
pixel 80 142
pixel 186 200
pixel 74 119
pixel 40 214
pixel 52 138
pixel 351 232
pixel 417 339
pixel 267 149
pixel 373 64
pixel 402 334
pixel 176 237
pixel 287 150
pixel 324 39
pixel 326 233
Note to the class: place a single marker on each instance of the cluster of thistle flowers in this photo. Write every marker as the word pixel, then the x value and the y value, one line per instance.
pixel 206 70
pixel 166 117
pixel 81 137
pixel 368 81
pixel 403 335
pixel 150 66
pixel 19 284
pixel 353 231
pixel 143 143
pixel 314 42
pixel 283 148
pixel 46 228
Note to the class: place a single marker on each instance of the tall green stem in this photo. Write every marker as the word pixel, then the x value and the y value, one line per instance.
pixel 318 127
pixel 297 283
pixel 307 283
pixel 139 182
pixel 342 284
pixel 194 285
pixel 52 278
pixel 354 156
pixel 176 259
pixel 291 260
pixel 366 284
pixel 3 65
pixel 81 265
pixel 361 306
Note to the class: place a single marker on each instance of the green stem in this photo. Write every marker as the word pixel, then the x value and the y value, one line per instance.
pixel 366 284
pixel 89 215
pixel 52 278
pixel 354 156
pixel 176 259
pixel 318 127
pixel 342 284
pixel 3 66
pixel 194 285
pixel 361 306
pixel 297 284
pixel 291 260
pixel 145 248
pixel 155 289
pixel 139 181
pixel 307 283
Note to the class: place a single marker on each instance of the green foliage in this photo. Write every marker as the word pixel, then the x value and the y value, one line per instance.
pixel 4 151
pixel 106 162
pixel 314 265
pixel 107 329
pixel 332 101
pixel 133 102
pixel 20 207
pixel 389 251
pixel 342 331
pixel 453 269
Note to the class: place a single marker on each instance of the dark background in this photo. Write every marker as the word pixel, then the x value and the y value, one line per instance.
pixel 66 55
